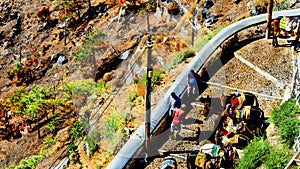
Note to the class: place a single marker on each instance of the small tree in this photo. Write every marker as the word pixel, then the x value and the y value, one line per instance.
pixel 70 5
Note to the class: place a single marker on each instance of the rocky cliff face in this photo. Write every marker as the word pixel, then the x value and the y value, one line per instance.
pixel 41 35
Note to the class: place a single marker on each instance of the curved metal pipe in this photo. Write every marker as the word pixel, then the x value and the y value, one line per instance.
pixel 138 138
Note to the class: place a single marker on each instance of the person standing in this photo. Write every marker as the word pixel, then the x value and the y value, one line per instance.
pixel 175 102
pixel 193 80
pixel 175 126
pixel 276 31
pixel 296 31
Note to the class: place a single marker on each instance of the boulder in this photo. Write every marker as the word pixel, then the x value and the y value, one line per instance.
pixel 6 52
pixel 62 60
pixel 54 57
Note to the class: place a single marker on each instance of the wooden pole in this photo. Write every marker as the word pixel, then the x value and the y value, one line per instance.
pixel 148 90
pixel 269 19
pixel 38 126
pixel 193 26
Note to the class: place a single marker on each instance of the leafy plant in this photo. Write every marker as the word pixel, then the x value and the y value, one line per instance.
pixel 89 45
pixel 16 69
pixel 91 145
pixel 151 6
pixel 113 130
pixel 183 55
pixel 254 154
pixel 284 119
pixel 156 76
pixel 132 96
pixel 86 86
pixel 139 100
pixel 29 103
pixel 51 126
pixel 28 163
pixel 202 41
pixel 69 5
pixel 76 130
pixel 49 141
pixel 14 97
pixel 278 158
pixel 259 152
pixel 282 5
pixel 72 148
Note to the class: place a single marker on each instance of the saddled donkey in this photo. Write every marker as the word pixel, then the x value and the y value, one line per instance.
pixel 191 159
pixel 197 160
pixel 248 121
pixel 239 100
pixel 254 121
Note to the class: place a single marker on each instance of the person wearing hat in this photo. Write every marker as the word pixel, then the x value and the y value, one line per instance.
pixel 213 154
pixel 175 102
pixel 168 163
pixel 212 150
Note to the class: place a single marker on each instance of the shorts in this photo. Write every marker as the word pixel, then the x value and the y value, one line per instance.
pixel 175 128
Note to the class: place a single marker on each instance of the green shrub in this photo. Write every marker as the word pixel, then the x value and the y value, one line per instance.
pixel 17 68
pixel 28 102
pixel 89 44
pixel 132 96
pixel 91 146
pixel 72 148
pixel 259 152
pixel 28 163
pixel 201 42
pixel 48 141
pixel 284 119
pixel 156 76
pixel 11 166
pixel 14 97
pixel 85 86
pixel 113 131
pixel 76 130
pixel 91 140
pixel 181 56
pixel 278 158
pixel 139 100
pixel 51 126
pixel 254 154
pixel 151 6
pixel 283 5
